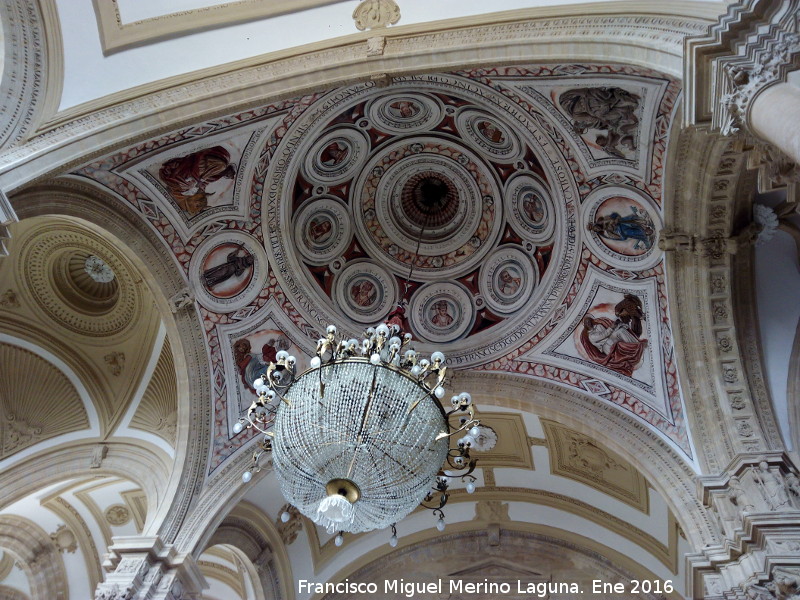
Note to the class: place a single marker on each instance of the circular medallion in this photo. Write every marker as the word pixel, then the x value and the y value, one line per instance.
pixel 530 208
pixel 228 271
pixel 441 312
pixel 489 134
pixel 507 280
pixel 406 113
pixel 364 291
pixel 336 156
pixel 432 191
pixel 322 230
pixel 622 227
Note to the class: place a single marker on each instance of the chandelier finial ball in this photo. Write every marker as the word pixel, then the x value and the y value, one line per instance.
pixel 247 476
pixel 339 540
pixel 282 355
pixel 270 395
pixel 467 439
pixel 331 329
pixel 237 427
pixel 439 392
pixel 437 357
pixel 424 363
pixel 440 524
pixel 262 390
pixel 470 488
pixel 375 359
pixel 285 516
pixel 382 330
pixel 370 331
pixel 315 362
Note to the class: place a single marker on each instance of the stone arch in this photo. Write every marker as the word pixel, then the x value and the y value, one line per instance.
pixel 32 69
pixel 145 250
pixel 37 556
pixel 467 553
pixel 250 531
pixel 669 473
pixel 653 39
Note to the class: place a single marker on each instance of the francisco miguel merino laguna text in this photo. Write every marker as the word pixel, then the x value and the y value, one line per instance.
pixel 410 589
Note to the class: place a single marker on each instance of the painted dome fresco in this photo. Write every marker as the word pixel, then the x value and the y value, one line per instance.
pixel 511 213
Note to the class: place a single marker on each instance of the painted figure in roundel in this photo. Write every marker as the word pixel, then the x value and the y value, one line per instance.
pixel 364 293
pixel 628 230
pixel 235 265
pixel 609 109
pixel 490 132
pixel 404 109
pixel 319 230
pixel 533 207
pixel 187 177
pixel 509 283
pixel 616 344
pixel 441 316
pixel 252 365
pixel 333 154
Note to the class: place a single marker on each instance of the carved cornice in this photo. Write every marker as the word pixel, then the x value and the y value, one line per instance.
pixel 654 36
pixel 749 49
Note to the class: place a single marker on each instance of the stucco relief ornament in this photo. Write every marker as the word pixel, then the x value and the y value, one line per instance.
pixel 766 217
pixel 64 539
pixel 374 14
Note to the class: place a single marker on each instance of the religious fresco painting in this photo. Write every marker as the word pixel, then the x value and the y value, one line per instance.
pixel 199 180
pixel 624 226
pixel 611 335
pixel 227 270
pixel 605 117
pixel 253 352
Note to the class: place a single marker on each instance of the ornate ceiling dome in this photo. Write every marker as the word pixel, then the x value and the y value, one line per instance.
pixel 453 172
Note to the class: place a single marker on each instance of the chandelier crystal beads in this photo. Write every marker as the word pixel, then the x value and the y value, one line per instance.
pixel 361 439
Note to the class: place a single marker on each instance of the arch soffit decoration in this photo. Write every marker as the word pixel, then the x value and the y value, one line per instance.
pixel 457 534
pixel 144 250
pixel 716 331
pixel 37 555
pixel 666 471
pixel 579 33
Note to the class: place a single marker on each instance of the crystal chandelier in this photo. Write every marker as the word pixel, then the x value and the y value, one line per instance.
pixel 360 439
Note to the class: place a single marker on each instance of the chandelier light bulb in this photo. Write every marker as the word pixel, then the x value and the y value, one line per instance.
pixel 315 362
pixel 237 427
pixel 440 524
pixel 339 540
pixel 475 431
pixel 393 541
pixel 439 392
pixel 258 383
pixel 285 516
pixel 415 370
pixel 470 488
pixel 375 359
pixel 247 476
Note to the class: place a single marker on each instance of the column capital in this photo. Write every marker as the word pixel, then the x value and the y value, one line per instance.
pixel 140 568
pixel 752 47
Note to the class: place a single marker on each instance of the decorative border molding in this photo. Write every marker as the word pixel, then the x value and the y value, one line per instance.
pixel 654 35
pixel 116 35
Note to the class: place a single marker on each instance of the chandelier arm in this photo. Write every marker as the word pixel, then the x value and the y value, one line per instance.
pixel 468 424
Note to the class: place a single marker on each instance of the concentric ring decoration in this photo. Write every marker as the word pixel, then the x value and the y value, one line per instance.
pixel 441 312
pixel 508 279
pixel 621 226
pixel 393 214
pixel 490 135
pixel 336 156
pixel 365 292
pixel 322 230
pixel 406 113
pixel 530 208
pixel 228 271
